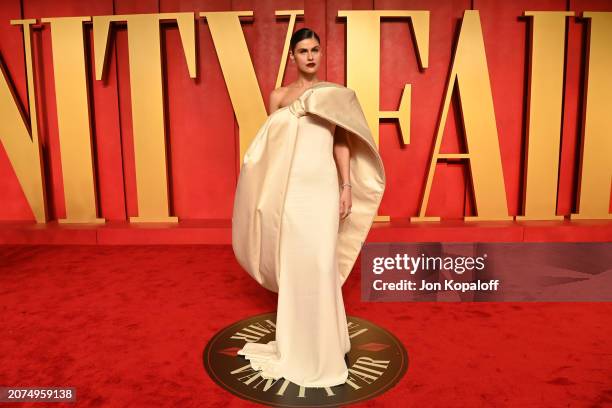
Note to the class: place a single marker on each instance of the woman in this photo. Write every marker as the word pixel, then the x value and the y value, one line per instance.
pixel 292 226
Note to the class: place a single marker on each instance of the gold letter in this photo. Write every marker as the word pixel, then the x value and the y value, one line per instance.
pixel 238 72
pixel 23 152
pixel 363 75
pixel 292 16
pixel 73 119
pixel 470 73
pixel 147 101
pixel 596 160
pixel 545 106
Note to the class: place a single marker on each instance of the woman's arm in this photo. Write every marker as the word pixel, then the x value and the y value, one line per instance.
pixel 342 155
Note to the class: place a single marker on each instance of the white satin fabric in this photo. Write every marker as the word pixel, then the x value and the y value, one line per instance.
pixel 287 234
pixel 264 178
pixel 311 328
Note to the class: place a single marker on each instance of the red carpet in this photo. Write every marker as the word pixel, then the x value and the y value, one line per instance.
pixel 126 326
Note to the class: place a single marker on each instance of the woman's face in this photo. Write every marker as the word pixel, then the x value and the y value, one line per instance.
pixel 307 55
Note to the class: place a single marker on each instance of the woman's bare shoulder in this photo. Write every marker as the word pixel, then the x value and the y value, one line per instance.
pixel 276 97
pixel 280 90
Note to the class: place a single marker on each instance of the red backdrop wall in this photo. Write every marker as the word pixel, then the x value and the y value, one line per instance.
pixel 203 136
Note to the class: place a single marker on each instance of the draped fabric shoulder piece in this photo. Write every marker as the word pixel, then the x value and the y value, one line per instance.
pixel 263 182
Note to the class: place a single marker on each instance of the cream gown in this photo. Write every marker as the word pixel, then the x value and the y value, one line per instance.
pixel 311 327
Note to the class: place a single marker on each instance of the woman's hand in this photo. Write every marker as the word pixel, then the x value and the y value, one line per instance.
pixel 345 202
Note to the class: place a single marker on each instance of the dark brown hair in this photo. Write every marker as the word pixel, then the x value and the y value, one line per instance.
pixel 302 34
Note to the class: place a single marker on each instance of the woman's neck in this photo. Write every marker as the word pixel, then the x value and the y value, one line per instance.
pixel 304 82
